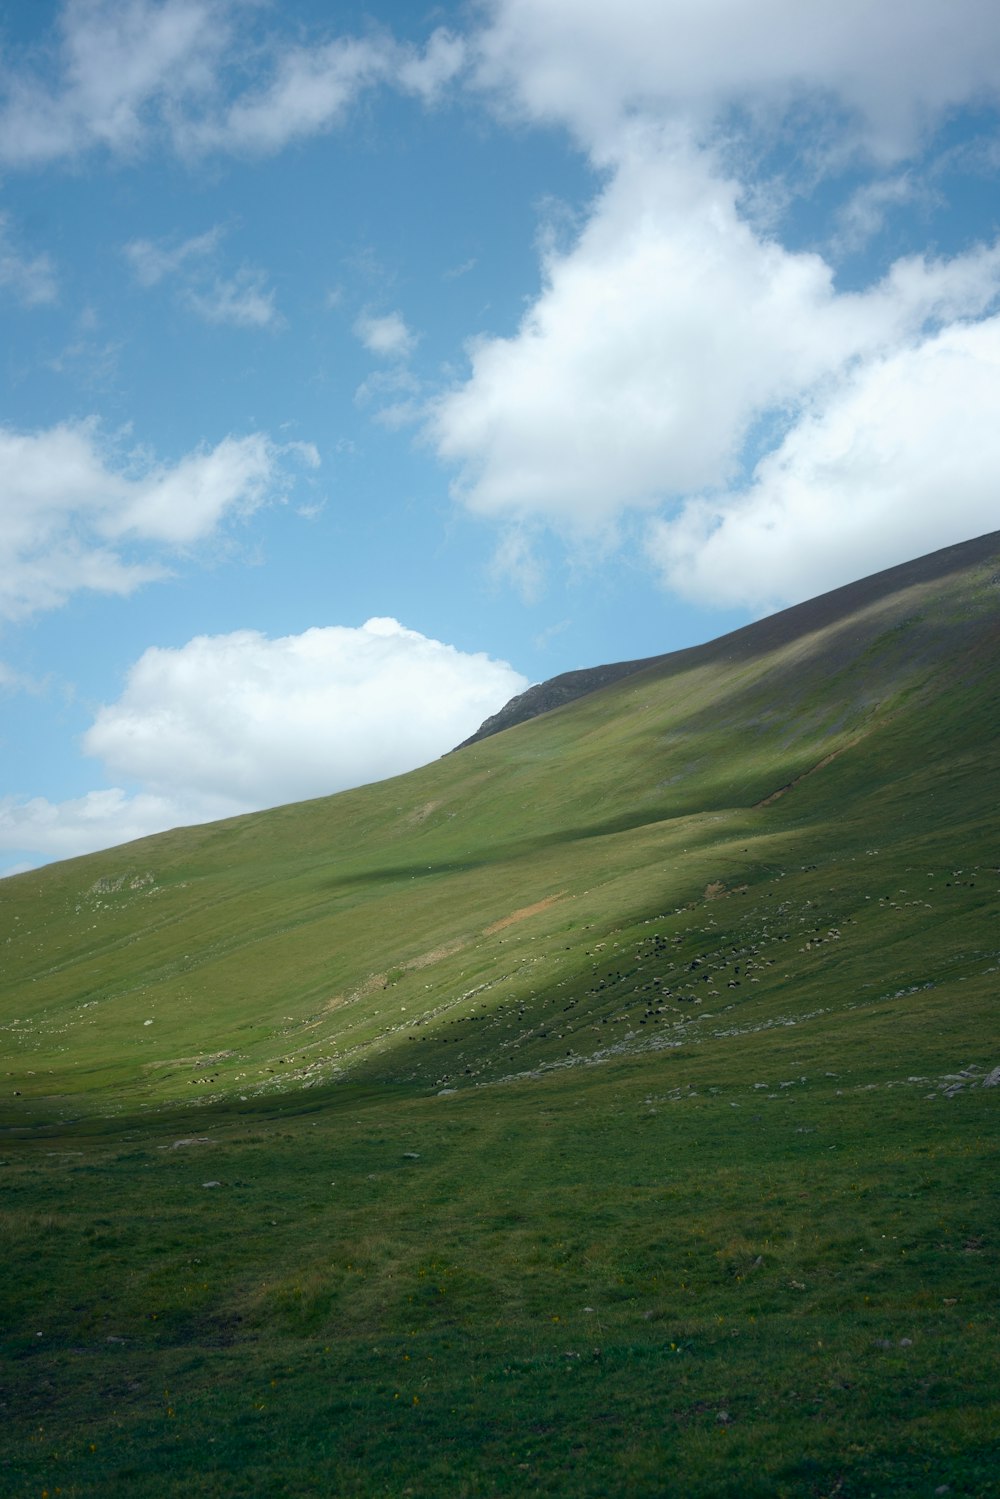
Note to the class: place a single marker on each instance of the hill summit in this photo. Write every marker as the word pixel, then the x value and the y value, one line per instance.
pixel 762 635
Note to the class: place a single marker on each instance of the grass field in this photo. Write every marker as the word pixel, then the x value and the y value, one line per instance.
pixel 601 1109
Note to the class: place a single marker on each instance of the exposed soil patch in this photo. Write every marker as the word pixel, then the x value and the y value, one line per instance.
pixel 523 913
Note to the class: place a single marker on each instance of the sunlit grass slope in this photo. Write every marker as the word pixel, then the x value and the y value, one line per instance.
pixel 599 1109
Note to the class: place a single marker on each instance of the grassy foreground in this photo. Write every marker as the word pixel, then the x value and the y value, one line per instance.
pixel 603 1109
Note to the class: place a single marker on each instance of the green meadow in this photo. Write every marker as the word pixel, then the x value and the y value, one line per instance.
pixel 607 1108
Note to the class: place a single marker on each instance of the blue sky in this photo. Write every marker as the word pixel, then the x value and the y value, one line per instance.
pixel 362 364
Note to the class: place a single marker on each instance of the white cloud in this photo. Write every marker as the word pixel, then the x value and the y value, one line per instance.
pixel 386 336
pixel 61 830
pixel 659 339
pixel 120 72
pixel 393 396
pixel 900 458
pixel 230 723
pixel 258 721
pixel 32 280
pixel 70 506
pixel 151 263
pixel 312 88
pixel 590 65
pixel 115 67
pixel 870 205
pixel 195 72
pixel 675 339
pixel 243 301
pixel 427 73
pixel 12 681
pixel 454 273
pixel 309 93
pixel 183 503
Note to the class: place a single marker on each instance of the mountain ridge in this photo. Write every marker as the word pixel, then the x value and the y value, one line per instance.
pixel 558 691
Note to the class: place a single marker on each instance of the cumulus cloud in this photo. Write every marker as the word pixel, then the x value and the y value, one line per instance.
pixel 311 89
pixel 77 514
pixel 61 830
pixel 889 70
pixel 660 338
pixel 675 339
pixel 257 720
pixel 900 458
pixel 119 73
pixel 386 336
pixel 114 67
pixel 308 93
pixel 230 723
pixel 428 73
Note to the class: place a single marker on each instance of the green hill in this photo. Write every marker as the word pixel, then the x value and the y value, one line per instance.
pixel 603 1108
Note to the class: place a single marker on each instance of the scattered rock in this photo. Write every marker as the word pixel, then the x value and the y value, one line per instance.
pixel 411 1155
pixel 211 1184
pixel 992 1079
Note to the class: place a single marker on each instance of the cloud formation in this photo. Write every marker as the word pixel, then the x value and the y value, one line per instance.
pixel 61 830
pixel 114 69
pixel 675 340
pixel 387 336
pixel 30 279
pixel 75 513
pixel 310 90
pixel 890 71
pixel 230 723
pixel 152 263
pixel 902 458
pixel 122 73
pixel 241 300
pixel 660 338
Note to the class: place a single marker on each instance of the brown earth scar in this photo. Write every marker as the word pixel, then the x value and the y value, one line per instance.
pixel 523 914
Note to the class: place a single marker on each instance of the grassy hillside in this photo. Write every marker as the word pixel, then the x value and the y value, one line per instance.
pixel 599 1109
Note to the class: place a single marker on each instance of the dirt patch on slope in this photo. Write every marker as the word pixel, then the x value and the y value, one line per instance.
pixel 523 913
